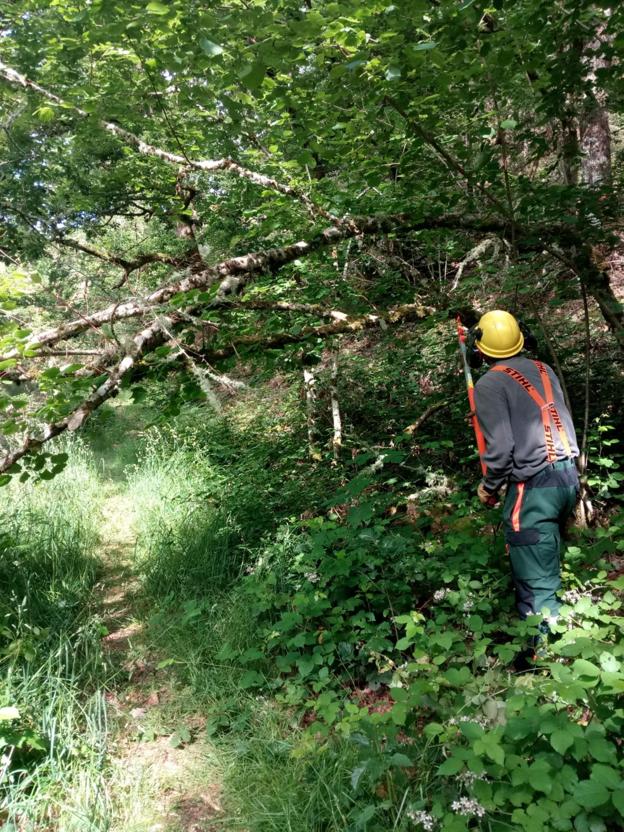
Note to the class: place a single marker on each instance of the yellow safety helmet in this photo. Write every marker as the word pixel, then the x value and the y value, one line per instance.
pixel 498 334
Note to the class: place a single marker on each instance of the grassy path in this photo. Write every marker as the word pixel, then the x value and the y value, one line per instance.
pixel 162 771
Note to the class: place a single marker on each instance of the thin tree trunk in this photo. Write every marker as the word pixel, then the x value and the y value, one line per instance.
pixel 585 511
pixel 309 383
pixel 335 407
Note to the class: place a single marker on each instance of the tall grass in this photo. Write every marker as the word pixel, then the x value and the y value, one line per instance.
pixel 188 540
pixel 207 502
pixel 51 667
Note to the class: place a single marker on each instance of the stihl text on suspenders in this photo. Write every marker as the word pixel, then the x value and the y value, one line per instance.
pixel 547 407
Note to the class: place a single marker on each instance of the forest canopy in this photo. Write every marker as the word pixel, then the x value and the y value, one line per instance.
pixel 183 181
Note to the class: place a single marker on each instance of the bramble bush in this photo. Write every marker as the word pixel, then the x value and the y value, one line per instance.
pixel 397 638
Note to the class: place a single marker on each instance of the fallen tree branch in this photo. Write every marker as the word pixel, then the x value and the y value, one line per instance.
pixel 206 165
pixel 401 314
pixel 144 342
pixel 247 266
pixel 280 306
pixel 159 332
pixel 117 260
pixel 309 385
pixel 434 408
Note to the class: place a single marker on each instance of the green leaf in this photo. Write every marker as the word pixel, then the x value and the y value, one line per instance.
pixel 585 670
pixel 250 679
pixel 471 730
pixel 5 479
pixel 45 113
pixel 509 124
pixel 252 75
pixel 154 7
pixel 609 663
pixel 211 48
pixel 561 741
pixel 591 794
pixel 452 765
pixel 424 45
pixel 618 801
pixel 607 775
pixel 539 777
pixel 401 760
pixel 601 749
pixel 356 774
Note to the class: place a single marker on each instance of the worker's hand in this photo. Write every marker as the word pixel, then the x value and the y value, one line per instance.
pixel 485 497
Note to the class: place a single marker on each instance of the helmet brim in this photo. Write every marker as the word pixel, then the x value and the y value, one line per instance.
pixel 491 353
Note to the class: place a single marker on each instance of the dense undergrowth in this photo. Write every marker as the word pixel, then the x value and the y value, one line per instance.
pixel 358 673
pixel 350 634
pixel 346 629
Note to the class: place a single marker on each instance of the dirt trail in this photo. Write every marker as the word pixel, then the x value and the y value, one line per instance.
pixel 162 773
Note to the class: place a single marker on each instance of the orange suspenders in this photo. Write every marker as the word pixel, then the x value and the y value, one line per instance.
pixel 547 407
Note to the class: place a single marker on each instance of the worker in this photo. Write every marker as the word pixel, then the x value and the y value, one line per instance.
pixel 531 448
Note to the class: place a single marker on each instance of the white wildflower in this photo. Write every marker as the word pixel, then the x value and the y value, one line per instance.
pixel 468 807
pixel 468 603
pixel 478 718
pixel 440 594
pixel 469 778
pixel 312 577
pixel 426 820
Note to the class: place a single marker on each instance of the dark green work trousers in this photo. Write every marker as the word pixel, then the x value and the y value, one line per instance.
pixel 534 515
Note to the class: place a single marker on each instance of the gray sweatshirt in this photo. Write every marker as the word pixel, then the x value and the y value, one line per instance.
pixel 512 424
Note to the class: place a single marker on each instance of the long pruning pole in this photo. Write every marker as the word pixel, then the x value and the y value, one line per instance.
pixel 461 336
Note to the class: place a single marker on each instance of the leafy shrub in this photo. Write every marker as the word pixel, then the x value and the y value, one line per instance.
pixel 398 642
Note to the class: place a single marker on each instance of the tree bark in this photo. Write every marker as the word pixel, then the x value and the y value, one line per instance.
pixel 595 143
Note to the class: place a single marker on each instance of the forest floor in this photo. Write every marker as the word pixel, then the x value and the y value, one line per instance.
pixel 163 777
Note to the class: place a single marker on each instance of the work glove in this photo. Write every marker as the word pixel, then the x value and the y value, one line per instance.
pixel 485 497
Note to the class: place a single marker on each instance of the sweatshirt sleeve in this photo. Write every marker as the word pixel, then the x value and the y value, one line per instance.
pixel 493 415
